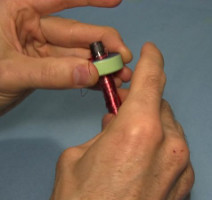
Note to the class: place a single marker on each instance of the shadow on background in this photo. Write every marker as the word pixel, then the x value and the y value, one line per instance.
pixel 27 168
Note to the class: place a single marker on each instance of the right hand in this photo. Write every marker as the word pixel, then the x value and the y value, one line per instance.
pixel 141 153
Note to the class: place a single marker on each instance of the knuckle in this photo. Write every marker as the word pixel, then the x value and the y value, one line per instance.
pixel 153 131
pixel 155 79
pixel 177 153
pixel 63 158
pixel 189 176
pixel 180 129
pixel 185 183
pixel 146 133
pixel 165 105
pixel 166 108
pixel 41 48
pixel 69 155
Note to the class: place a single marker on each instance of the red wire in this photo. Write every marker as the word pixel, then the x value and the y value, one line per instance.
pixel 108 87
pixel 111 96
pixel 106 82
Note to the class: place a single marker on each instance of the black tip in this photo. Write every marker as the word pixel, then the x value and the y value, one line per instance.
pixel 97 49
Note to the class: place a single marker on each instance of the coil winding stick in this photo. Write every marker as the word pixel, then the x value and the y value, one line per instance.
pixel 107 64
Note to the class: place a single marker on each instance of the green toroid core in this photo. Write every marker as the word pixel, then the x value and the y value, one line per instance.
pixel 109 65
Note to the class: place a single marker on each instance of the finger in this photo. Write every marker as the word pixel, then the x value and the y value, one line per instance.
pixel 60 52
pixel 183 186
pixel 49 73
pixel 118 82
pixel 171 127
pixel 9 101
pixel 47 49
pixel 123 93
pixel 125 74
pixel 43 50
pixel 75 34
pixel 148 81
pixel 172 160
pixel 50 6
pixel 107 119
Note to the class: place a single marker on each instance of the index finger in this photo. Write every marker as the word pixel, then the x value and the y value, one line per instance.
pixel 74 34
pixel 148 81
pixel 50 6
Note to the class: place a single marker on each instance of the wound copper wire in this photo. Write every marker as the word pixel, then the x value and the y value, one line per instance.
pixel 106 82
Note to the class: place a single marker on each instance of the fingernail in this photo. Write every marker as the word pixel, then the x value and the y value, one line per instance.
pixel 81 76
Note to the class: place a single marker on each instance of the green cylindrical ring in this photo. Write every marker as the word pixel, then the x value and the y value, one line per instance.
pixel 109 65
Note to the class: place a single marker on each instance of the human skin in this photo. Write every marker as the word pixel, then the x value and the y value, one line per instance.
pixel 141 153
pixel 40 52
pixel 143 156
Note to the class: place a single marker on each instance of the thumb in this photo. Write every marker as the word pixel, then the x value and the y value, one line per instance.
pixel 49 73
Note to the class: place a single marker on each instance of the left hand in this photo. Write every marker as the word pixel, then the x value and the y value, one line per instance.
pixel 50 52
